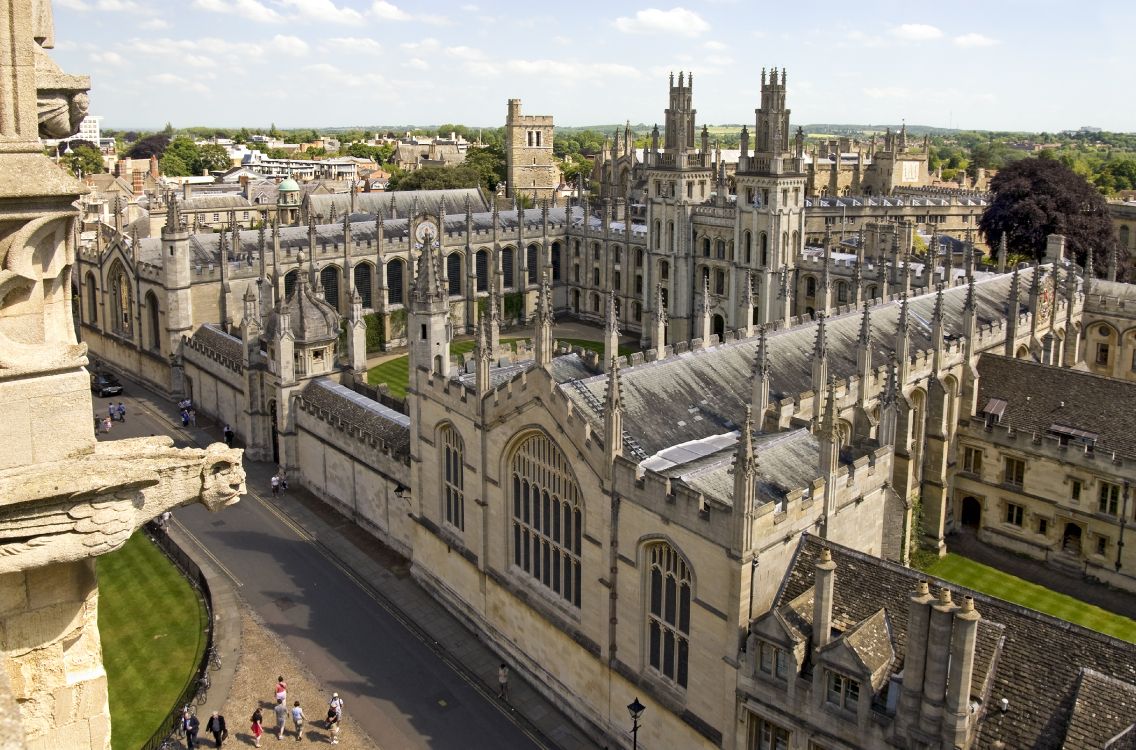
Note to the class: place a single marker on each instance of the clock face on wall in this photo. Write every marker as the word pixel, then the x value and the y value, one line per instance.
pixel 426 229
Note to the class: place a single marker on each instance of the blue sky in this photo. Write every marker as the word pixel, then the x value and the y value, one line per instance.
pixel 998 64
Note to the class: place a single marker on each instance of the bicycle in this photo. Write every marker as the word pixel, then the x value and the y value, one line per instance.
pixel 203 686
pixel 214 658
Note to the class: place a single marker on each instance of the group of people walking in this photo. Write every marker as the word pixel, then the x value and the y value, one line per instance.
pixel 281 712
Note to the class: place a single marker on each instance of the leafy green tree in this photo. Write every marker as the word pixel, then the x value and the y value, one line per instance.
pixel 83 158
pixel 272 131
pixel 437 178
pixel 362 151
pixel 489 161
pixel 1033 198
pixel 212 158
pixel 173 166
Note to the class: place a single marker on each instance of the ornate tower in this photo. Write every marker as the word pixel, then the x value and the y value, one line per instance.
pixel 530 168
pixel 428 326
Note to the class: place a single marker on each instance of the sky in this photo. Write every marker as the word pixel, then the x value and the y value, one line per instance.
pixel 1029 65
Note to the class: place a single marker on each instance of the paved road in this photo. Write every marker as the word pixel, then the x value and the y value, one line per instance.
pixel 394 685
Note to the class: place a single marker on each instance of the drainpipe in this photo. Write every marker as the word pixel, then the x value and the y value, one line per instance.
pixel 1123 518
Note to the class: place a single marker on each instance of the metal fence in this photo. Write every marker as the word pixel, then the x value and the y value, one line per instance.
pixel 196 579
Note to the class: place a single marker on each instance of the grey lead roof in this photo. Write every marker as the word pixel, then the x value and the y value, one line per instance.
pixel 369 416
pixel 698 394
pixel 427 201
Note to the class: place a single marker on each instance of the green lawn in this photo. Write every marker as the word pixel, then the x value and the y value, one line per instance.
pixel 983 578
pixel 152 625
pixel 596 346
pixel 396 372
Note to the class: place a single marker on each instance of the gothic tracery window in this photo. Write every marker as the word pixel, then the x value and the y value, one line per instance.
pixel 453 477
pixel 668 612
pixel 547 517
pixel 122 303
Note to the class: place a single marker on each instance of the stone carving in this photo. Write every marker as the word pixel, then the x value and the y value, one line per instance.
pixel 86 506
pixel 61 99
pixel 36 332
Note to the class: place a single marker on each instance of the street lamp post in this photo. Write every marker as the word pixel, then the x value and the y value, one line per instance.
pixel 636 709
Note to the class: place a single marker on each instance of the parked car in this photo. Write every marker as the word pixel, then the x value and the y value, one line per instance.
pixel 105 384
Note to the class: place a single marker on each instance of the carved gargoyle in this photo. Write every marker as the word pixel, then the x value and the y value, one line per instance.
pixel 90 505
pixel 62 100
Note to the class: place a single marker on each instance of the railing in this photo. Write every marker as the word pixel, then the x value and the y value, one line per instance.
pixel 196 579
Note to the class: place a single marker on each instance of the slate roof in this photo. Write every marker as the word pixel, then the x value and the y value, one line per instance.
pixel 363 413
pixel 1104 708
pixel 703 393
pixel 1039 396
pixel 1040 660
pixel 216 202
pixel 1114 289
pixel 212 337
pixel 371 203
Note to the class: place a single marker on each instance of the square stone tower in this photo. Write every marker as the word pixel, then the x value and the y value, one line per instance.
pixel 530 166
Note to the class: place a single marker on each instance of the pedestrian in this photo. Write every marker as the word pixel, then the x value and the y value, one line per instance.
pixel 275 484
pixel 503 683
pixel 257 727
pixel 229 435
pixel 184 418
pixel 336 704
pixel 283 479
pixel 281 689
pixel 106 425
pixel 98 424
pixel 192 416
pixel 164 521
pixel 216 727
pixel 298 720
pixel 121 412
pixel 281 712
pixel 333 719
pixel 192 725
pixel 112 412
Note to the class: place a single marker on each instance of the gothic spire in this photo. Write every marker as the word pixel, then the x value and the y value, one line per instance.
pixel 428 277
pixel 866 325
pixel 820 345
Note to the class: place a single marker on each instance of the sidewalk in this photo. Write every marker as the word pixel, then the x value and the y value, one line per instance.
pixel 384 574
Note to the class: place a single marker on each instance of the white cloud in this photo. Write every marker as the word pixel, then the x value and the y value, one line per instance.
pixel 107 58
pixel 169 79
pixel 109 6
pixel 253 10
pixel 562 40
pixel 353 44
pixel 674 21
pixel 416 64
pixel 116 5
pixel 975 40
pixel 470 8
pixel 388 11
pixel 324 68
pixel 289 45
pixel 426 44
pixel 886 92
pixel 465 53
pixel 73 4
pixel 916 32
pixel 568 71
pixel 324 10
pixel 716 46
pixel 155 24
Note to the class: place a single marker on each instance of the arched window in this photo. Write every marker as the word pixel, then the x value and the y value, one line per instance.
pixel 453 477
pixel 507 267
pixel 747 243
pixel 364 274
pixel 638 284
pixel 658 233
pixel 637 311
pixel 547 517
pixel 638 258
pixel 394 282
pixel 595 302
pixel 329 277
pixel 481 268
pixel 796 246
pixel 92 295
pixel 705 247
pixel 810 287
pixel 720 249
pixel 668 612
pixel 764 249
pixel 617 253
pixel 556 261
pixel 530 261
pixel 841 292
pixel 290 282
pixel 576 273
pixel 719 282
pixel 122 303
pixel 595 277
pixel 595 251
pixel 153 327
pixel 615 279
pixel 664 270
pixel 454 273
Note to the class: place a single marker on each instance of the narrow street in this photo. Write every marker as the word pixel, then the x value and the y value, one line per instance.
pixel 397 685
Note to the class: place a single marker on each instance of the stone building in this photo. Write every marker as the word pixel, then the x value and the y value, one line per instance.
pixel 1045 466
pixel 841 166
pixel 530 167
pixel 1110 347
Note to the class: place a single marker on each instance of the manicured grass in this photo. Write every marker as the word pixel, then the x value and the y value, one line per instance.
pixel 596 346
pixel 152 625
pixel 983 578
pixel 396 372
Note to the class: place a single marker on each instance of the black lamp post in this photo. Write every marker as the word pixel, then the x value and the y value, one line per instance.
pixel 636 709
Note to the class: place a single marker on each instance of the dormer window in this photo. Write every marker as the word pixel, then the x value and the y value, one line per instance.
pixel 842 692
pixel 773 661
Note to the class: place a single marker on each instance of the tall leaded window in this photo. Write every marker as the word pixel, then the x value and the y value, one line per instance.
pixel 122 303
pixel 668 616
pixel 507 267
pixel 454 274
pixel 453 478
pixel 531 263
pixel 547 517
pixel 394 282
pixel 481 267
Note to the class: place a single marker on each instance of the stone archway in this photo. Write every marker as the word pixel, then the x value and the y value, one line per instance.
pixel 1071 539
pixel 971 517
pixel 718 326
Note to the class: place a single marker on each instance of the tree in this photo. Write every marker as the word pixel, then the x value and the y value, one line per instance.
pixel 1033 198
pixel 213 158
pixel 154 145
pixel 489 163
pixel 83 158
pixel 436 178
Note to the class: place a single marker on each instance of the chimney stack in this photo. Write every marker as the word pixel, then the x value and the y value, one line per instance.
pixel 822 601
pixel 914 661
pixel 956 723
pixel 938 658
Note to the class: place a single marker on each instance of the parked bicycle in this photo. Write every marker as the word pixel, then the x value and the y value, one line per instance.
pixel 214 658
